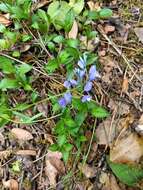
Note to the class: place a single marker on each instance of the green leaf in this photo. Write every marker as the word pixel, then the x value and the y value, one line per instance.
pixel 99 112
pixel 21 107
pixel 53 147
pixel 4 44
pixel 16 166
pixel 2 28
pixel 16 54
pixel 80 117
pixel 94 15
pixel 82 138
pixel 77 5
pixel 6 65
pixel 52 65
pixel 69 19
pixel 26 37
pixel 65 155
pixel 72 43
pixel 68 147
pixel 57 12
pixel 61 140
pixel 4 7
pixel 42 14
pixel 69 122
pixel 60 127
pixel 7 83
pixel 23 69
pixel 58 39
pixel 105 13
pixel 127 174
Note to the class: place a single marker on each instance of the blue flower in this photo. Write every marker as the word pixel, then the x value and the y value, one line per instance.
pixel 88 86
pixel 62 102
pixel 73 82
pixel 67 84
pixel 86 98
pixel 66 99
pixel 93 73
pixel 81 63
pixel 70 83
pixel 80 73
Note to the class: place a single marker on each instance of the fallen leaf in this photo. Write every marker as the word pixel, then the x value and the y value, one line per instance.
pixel 109 29
pixel 4 20
pixel 93 6
pixel 93 152
pixel 43 108
pixel 139 33
pixel 104 134
pixel 51 173
pixel 125 85
pixel 54 166
pixel 87 170
pixel 24 48
pixel 128 149
pixel 5 154
pixel 122 29
pixel 121 107
pixel 21 134
pixel 109 182
pixel 26 152
pixel 12 184
pixel 139 126
pixel 74 31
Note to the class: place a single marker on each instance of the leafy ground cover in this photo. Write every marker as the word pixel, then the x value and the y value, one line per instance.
pixel 71 95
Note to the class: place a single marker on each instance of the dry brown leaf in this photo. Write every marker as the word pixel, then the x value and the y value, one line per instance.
pixel 128 149
pixel 5 21
pixel 26 152
pixel 125 85
pixel 5 154
pixel 139 127
pixel 55 154
pixel 21 134
pixel 87 170
pixel 24 48
pixel 43 108
pixel 12 184
pixel 54 166
pixel 93 6
pixel 103 133
pixel 139 33
pixel 51 172
pixel 121 107
pixel 74 31
pixel 109 182
pixel 109 29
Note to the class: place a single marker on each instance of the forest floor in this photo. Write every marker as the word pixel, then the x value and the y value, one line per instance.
pixel 71 95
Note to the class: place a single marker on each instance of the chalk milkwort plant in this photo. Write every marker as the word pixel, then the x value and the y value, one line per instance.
pixel 47 30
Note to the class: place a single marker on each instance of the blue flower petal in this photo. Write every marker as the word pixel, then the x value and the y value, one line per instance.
pixel 88 86
pixel 73 82
pixel 68 97
pixel 80 73
pixel 86 98
pixel 62 102
pixel 93 73
pixel 67 84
